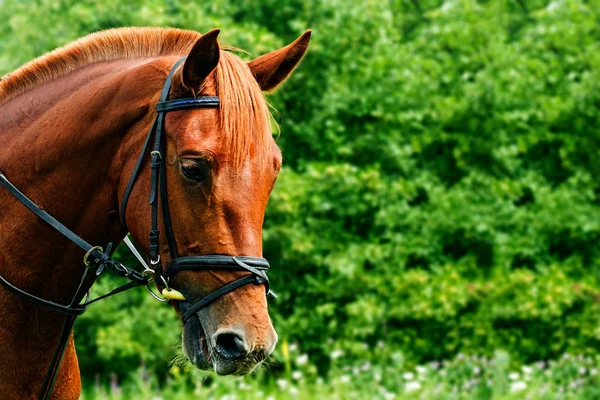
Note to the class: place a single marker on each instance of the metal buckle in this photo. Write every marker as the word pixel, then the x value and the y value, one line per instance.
pixel 154 262
pixel 156 153
pixel 150 274
pixel 89 253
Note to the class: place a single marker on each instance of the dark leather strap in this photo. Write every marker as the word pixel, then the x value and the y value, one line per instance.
pixel 134 175
pixel 57 357
pixel 214 261
pixel 218 293
pixel 44 215
pixel 63 341
pixel 68 310
pixel 256 265
pixel 164 203
pixel 182 104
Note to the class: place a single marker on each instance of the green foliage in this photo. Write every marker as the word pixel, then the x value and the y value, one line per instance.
pixel 440 191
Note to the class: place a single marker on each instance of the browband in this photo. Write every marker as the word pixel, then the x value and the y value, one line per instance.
pixel 181 104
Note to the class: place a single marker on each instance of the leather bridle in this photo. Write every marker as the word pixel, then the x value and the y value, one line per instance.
pixel 97 260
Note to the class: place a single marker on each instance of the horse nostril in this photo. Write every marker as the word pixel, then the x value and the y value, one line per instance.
pixel 230 345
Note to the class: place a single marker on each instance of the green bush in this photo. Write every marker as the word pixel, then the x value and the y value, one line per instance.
pixel 440 191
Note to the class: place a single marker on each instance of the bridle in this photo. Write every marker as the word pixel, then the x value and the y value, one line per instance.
pixel 97 260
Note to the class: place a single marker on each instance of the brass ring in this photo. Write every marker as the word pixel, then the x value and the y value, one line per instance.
pixel 89 253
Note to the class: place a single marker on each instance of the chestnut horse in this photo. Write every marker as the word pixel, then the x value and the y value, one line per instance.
pixel 72 124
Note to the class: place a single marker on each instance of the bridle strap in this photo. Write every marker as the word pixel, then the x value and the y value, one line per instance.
pixel 44 215
pixel 68 310
pixel 134 175
pixel 216 261
pixel 181 104
pixel 216 294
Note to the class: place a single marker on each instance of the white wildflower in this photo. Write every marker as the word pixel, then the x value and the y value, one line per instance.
pixel 302 359
pixel 582 371
pixel 476 371
pixel 421 370
pixel 282 383
pixel 593 371
pixel 517 387
pixel 409 376
pixel 336 354
pixel 293 347
pixel 293 391
pixel 297 375
pixel 576 383
pixel 526 370
pixel 366 366
pixel 412 386
pixel 540 364
pixel 513 376
pixel 344 379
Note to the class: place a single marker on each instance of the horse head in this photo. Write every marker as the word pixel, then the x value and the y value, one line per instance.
pixel 220 165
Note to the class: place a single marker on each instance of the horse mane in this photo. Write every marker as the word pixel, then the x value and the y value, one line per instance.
pixel 244 113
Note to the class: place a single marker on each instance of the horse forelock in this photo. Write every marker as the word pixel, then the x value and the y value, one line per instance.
pixel 244 112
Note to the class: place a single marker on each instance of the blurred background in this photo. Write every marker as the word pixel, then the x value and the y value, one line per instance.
pixel 435 232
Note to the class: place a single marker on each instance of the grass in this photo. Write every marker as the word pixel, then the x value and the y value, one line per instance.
pixel 465 377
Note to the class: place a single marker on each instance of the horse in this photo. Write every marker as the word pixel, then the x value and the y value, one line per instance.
pixel 72 123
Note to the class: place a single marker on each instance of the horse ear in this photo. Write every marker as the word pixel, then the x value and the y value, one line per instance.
pixel 202 60
pixel 272 68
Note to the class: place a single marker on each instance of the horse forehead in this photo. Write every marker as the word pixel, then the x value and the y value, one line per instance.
pixel 193 127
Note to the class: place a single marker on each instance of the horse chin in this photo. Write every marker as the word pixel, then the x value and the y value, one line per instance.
pixel 195 345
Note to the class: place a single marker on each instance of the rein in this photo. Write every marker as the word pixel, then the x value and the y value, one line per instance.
pixel 97 260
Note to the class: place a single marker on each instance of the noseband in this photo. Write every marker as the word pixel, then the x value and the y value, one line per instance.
pixel 97 260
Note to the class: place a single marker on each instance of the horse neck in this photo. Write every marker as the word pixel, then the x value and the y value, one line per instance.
pixel 66 144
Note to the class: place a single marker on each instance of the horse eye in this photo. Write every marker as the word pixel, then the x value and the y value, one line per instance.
pixel 196 170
